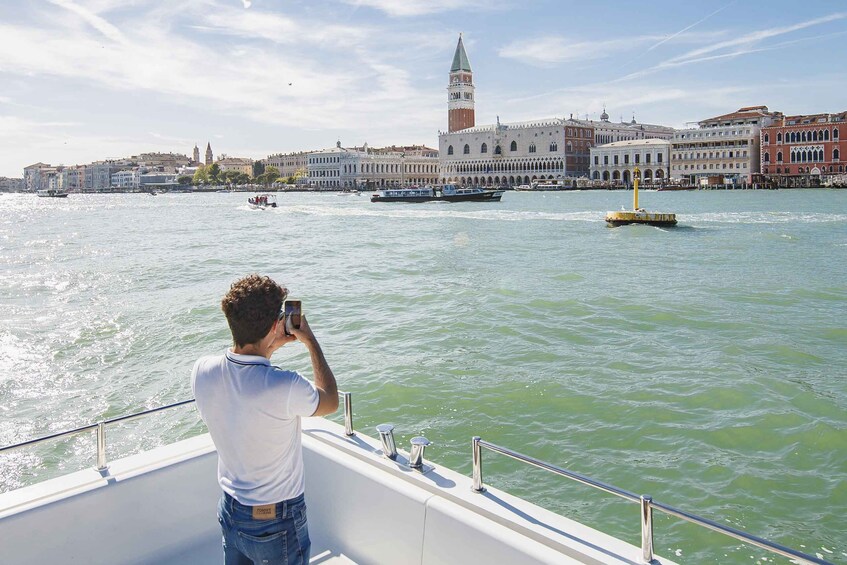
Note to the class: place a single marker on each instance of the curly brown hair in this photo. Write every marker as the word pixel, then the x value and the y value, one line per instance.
pixel 251 307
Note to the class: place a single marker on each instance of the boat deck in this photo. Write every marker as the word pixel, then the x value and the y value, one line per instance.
pixel 159 507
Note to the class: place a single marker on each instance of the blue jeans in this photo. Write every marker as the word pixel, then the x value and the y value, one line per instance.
pixel 280 540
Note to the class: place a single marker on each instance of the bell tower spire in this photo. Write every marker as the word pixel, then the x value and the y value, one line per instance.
pixel 460 91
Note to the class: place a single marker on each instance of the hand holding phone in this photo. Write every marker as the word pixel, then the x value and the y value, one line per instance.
pixel 292 311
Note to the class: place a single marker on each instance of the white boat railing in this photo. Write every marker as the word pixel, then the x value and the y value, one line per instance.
pixel 100 428
pixel 646 502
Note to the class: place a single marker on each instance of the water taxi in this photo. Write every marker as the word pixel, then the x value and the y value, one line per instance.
pixel 369 502
pixel 447 193
pixel 51 193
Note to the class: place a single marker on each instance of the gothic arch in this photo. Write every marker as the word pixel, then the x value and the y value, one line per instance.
pixel 450 150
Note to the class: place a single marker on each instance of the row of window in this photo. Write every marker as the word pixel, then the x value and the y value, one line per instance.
pixel 646 174
pixel 804 156
pixel 714 133
pixel 801 170
pixel 711 166
pixel 554 146
pixel 710 155
pixel 551 165
pixel 391 168
pixel 801 136
pixel 647 159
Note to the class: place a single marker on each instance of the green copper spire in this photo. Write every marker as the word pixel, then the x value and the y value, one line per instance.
pixel 460 59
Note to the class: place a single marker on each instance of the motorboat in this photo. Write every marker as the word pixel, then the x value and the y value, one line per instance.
pixel 369 502
pixel 447 193
pixel 51 193
pixel 262 201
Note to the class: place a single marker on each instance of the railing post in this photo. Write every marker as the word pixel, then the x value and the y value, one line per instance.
pixel 348 414
pixel 101 446
pixel 477 465
pixel 647 528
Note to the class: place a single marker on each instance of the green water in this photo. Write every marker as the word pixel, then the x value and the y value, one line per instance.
pixel 703 365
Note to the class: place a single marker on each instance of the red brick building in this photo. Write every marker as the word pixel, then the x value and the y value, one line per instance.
pixel 804 150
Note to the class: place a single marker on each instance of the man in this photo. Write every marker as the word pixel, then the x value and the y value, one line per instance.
pixel 253 411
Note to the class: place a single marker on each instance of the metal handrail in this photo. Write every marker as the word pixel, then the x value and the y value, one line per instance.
pixel 100 427
pixel 646 502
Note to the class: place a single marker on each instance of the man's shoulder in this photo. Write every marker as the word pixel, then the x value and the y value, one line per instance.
pixel 284 374
pixel 207 362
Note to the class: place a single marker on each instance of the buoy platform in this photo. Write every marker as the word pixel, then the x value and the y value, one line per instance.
pixel 639 215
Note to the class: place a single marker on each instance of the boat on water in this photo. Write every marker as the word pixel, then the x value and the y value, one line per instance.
pixel 447 193
pixel 543 186
pixel 51 193
pixel 669 188
pixel 369 502
pixel 262 201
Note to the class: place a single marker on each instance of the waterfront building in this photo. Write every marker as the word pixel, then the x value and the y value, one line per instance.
pixel 606 131
pixel 150 180
pixel 8 184
pixel 159 162
pixel 98 175
pixel 505 153
pixel 290 164
pixel 370 168
pixel 33 178
pixel 516 153
pixel 75 178
pixel 238 164
pixel 615 162
pixel 209 155
pixel 722 150
pixel 129 179
pixel 803 150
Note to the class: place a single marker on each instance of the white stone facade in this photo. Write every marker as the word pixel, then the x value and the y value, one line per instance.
pixel 363 167
pixel 129 179
pixel 517 153
pixel 723 150
pixel 616 162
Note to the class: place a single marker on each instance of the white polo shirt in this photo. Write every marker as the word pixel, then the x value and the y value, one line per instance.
pixel 253 411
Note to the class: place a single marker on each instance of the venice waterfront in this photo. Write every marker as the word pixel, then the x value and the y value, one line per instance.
pixel 704 365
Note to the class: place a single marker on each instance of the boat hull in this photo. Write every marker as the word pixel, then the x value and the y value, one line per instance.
pixel 487 196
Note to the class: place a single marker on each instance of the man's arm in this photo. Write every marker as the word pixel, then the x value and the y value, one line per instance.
pixel 324 379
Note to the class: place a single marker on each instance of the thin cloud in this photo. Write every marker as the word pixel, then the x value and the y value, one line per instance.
pixel 551 50
pixel 744 45
pixel 97 22
pixel 683 30
pixel 411 8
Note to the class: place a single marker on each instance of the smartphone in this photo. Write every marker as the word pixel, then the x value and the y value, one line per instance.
pixel 292 315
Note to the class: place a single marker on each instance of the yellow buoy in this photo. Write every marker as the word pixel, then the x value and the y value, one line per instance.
pixel 637 215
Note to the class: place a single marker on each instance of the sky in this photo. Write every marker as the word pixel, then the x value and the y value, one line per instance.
pixel 86 80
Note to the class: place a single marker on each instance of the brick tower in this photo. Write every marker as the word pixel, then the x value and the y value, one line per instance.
pixel 460 102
